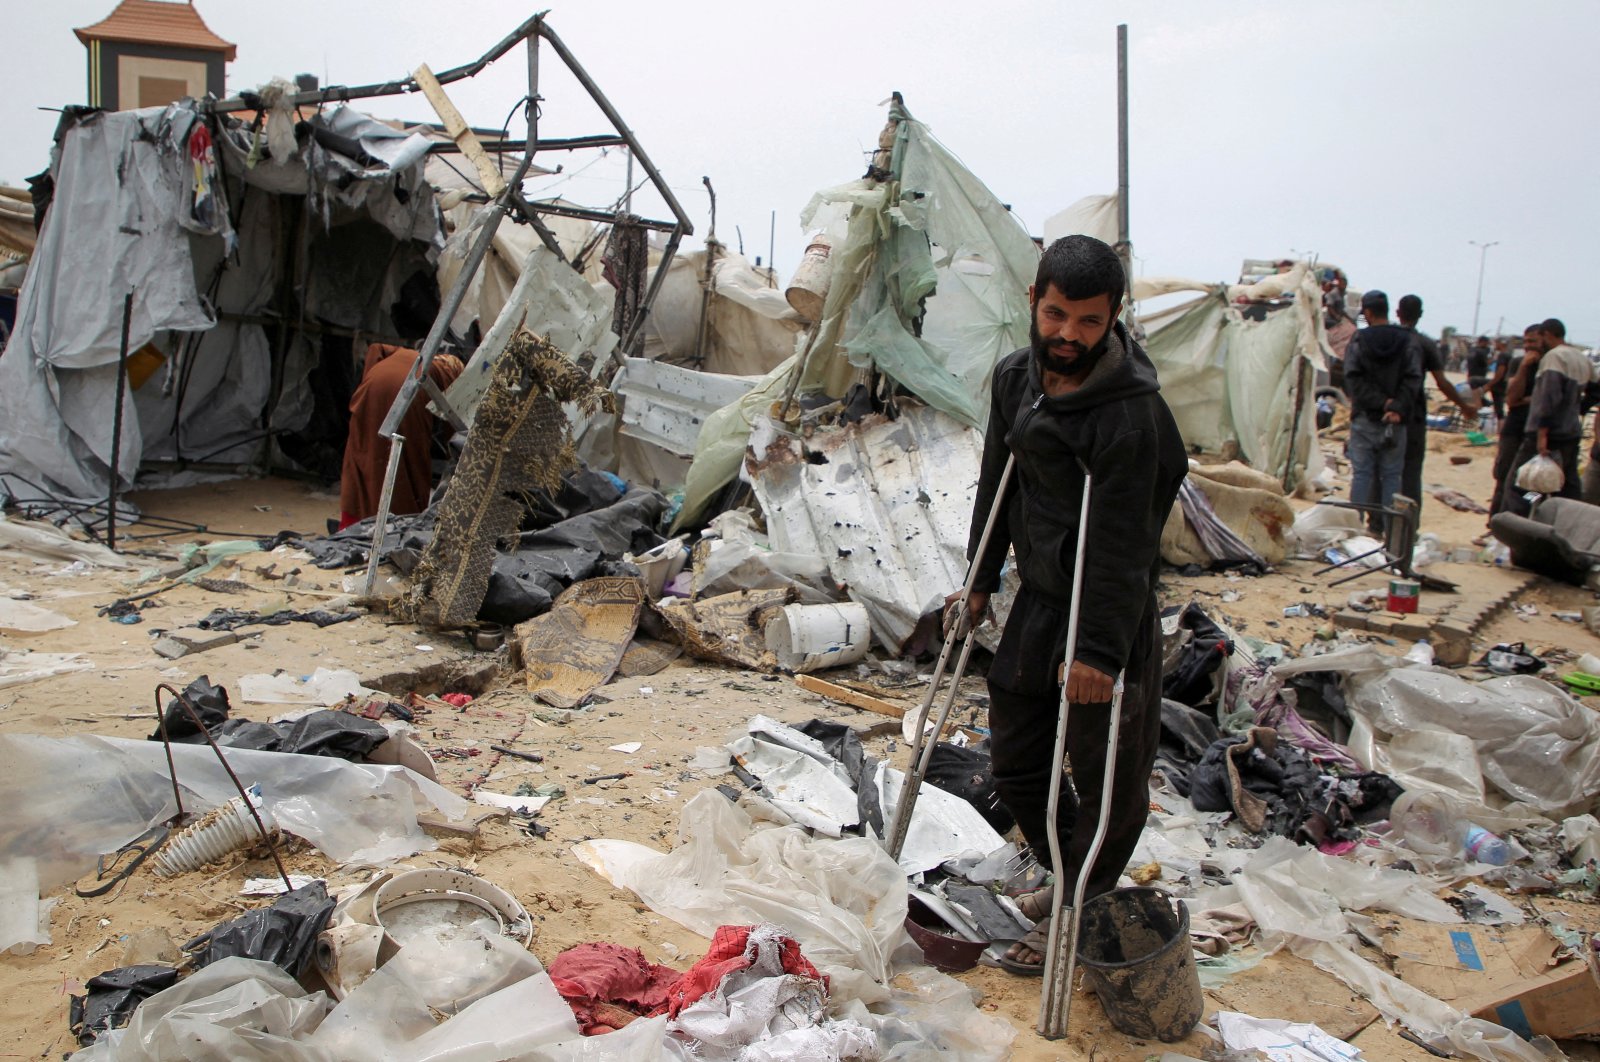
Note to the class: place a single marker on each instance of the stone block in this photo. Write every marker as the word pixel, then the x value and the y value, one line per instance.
pixel 187 640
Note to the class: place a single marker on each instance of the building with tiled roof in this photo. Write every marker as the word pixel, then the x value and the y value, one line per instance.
pixel 147 53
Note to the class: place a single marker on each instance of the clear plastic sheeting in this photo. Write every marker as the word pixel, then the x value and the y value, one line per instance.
pixel 70 800
pixel 1295 892
pixel 930 1017
pixel 1440 1024
pixel 749 327
pixel 244 1009
pixel 844 901
pixel 1534 744
pixel 719 450
pixel 1093 215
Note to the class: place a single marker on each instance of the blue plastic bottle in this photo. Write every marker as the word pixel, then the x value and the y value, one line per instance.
pixel 1481 846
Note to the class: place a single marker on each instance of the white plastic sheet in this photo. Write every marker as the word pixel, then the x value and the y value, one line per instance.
pixel 17 668
pixel 1432 729
pixel 323 686
pixel 844 901
pixel 69 800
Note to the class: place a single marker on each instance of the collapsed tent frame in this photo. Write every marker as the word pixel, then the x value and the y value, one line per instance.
pixel 530 33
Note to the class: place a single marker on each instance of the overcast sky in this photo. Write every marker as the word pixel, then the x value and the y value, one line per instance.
pixel 1380 136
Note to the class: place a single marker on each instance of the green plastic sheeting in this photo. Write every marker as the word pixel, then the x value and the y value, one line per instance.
pixel 1232 382
pixel 928 285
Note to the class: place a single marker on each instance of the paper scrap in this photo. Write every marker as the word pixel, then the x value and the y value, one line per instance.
pixel 628 747
pixel 522 805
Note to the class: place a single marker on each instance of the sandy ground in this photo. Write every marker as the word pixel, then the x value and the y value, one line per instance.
pixel 670 713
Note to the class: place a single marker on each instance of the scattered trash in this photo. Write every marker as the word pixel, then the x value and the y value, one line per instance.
pixel 1283 1041
pixel 628 747
pixel 323 686
pixel 283 934
pixel 1134 948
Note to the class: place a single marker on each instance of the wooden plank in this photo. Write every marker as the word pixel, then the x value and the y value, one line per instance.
pixel 493 181
pixel 844 695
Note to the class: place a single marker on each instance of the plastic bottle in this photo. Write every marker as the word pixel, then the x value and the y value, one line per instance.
pixel 1481 846
pixel 1429 824
pixel 1421 654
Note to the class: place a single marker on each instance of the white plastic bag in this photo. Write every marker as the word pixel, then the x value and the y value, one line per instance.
pixel 1540 475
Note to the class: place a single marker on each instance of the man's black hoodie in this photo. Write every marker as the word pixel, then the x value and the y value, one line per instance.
pixel 1383 372
pixel 1118 427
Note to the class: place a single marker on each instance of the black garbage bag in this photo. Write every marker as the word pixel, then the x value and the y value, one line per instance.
pixel 111 998
pixel 844 745
pixel 210 704
pixel 324 733
pixel 966 772
pixel 284 934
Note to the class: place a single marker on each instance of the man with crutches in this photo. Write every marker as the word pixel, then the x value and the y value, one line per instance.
pixel 1079 409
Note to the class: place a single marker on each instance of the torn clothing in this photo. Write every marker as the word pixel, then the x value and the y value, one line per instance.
pixel 1117 427
pixel 366 453
pixel 1022 725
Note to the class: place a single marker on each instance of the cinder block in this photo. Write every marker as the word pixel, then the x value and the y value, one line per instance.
pixel 1350 619
pixel 1452 644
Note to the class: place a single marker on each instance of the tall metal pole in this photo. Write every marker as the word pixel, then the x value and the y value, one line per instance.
pixel 1483 255
pixel 1124 248
pixel 772 248
pixel 116 423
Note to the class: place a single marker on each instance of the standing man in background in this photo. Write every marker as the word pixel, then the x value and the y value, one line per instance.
pixel 1409 311
pixel 1519 388
pixel 1382 376
pixel 1555 425
pixel 1478 363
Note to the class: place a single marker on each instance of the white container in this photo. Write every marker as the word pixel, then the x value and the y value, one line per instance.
pixel 816 637
pixel 659 565
pixel 808 288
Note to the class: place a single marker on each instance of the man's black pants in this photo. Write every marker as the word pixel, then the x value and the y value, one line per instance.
pixel 1024 705
pixel 1411 472
pixel 1505 456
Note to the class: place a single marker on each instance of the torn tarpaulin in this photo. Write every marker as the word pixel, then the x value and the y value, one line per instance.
pixel 284 934
pixel 110 998
pixel 323 733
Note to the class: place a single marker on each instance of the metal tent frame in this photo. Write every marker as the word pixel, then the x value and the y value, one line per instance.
pixel 532 33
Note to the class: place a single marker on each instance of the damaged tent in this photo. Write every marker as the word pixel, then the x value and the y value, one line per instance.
pixel 1237 370
pixel 253 257
pixel 927 289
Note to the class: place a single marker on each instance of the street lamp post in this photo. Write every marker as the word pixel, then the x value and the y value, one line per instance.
pixel 1483 254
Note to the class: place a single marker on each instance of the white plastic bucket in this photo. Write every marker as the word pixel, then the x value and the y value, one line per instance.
pixel 808 288
pixel 815 637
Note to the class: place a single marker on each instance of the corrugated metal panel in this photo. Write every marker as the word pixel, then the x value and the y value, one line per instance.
pixel 886 502
pixel 176 25
pixel 665 405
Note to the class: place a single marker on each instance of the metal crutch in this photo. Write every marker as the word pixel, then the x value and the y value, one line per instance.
pixel 921 746
pixel 1056 1001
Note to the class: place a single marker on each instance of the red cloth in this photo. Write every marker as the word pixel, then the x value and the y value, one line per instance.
pixel 460 700
pixel 598 980
pixel 607 985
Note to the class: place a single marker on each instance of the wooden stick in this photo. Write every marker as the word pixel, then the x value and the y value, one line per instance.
pixel 845 695
pixel 494 181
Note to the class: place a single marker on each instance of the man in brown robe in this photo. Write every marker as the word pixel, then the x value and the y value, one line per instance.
pixel 366 454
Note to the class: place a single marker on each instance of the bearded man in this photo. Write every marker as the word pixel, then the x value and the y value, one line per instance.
pixel 1083 399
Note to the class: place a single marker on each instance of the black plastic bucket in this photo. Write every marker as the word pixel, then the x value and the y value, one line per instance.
pixel 1133 945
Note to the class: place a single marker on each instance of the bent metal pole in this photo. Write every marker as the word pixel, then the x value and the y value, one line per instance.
pixel 921 743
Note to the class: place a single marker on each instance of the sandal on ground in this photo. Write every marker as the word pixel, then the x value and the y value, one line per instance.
pixel 1035 941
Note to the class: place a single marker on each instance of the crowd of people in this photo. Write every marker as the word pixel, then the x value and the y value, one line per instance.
pixel 1539 397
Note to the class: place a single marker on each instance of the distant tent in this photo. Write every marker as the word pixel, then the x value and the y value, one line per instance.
pixel 1242 384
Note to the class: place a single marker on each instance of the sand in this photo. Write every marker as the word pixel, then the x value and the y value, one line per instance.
pixel 671 713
